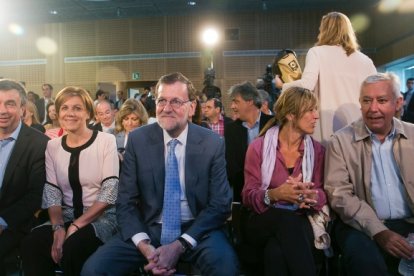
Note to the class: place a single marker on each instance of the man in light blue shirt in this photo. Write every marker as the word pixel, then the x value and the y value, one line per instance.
pixel 22 169
pixel 245 104
pixel 369 181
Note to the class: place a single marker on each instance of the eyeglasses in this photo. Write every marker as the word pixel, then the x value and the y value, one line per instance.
pixel 175 103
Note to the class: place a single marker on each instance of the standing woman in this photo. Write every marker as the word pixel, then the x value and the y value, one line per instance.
pixel 283 185
pixel 80 191
pixel 334 70
pixel 131 115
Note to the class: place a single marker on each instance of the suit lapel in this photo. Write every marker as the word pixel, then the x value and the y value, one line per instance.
pixel 156 157
pixel 193 153
pixel 18 149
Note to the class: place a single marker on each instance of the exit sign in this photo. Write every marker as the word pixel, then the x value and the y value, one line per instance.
pixel 136 75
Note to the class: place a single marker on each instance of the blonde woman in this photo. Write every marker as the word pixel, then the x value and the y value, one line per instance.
pixel 80 191
pixel 334 70
pixel 284 184
pixel 31 117
pixel 131 115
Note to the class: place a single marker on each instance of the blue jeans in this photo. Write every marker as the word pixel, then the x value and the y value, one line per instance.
pixel 362 255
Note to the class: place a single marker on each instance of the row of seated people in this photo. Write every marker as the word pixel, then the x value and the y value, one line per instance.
pixel 173 197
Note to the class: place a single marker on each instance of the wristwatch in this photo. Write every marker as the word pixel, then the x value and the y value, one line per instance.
pixel 56 227
pixel 266 198
pixel 185 244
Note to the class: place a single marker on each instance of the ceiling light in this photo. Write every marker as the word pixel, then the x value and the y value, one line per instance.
pixel 191 3
pixel 54 12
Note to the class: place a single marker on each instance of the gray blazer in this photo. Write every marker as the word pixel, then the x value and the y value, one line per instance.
pixel 141 188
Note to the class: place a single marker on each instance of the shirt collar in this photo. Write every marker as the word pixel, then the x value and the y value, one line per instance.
pixel 255 124
pixel 390 135
pixel 15 133
pixel 182 138
pixel 362 131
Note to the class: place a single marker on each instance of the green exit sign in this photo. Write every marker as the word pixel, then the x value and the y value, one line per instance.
pixel 136 75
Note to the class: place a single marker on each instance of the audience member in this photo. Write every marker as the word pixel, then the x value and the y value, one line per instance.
pixel 131 115
pixel 408 115
pixel 197 117
pixel 283 185
pixel 266 109
pixel 121 99
pixel 80 198
pixel 32 97
pixel 174 197
pixel 31 118
pixel 214 115
pixel 22 169
pixel 335 69
pixel 105 116
pixel 52 126
pixel 246 103
pixel 149 100
pixel 100 96
pixel 41 103
pixel 368 180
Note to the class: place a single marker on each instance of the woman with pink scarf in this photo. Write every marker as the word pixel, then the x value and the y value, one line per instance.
pixel 283 186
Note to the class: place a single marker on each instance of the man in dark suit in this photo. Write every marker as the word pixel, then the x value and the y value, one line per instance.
pixel 42 103
pixel 105 114
pixel 408 115
pixel 213 111
pixel 204 199
pixel 246 104
pixel 22 168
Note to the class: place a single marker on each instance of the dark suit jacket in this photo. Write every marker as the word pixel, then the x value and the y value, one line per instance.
pixel 25 175
pixel 227 121
pixel 141 188
pixel 98 127
pixel 235 135
pixel 408 115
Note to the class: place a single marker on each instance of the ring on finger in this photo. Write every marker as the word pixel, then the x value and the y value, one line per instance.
pixel 301 198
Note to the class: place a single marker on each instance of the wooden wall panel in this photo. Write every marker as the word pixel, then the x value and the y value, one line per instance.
pixel 190 67
pixel 180 34
pixel 150 70
pixel 33 74
pixel 146 35
pixel 10 72
pixel 111 71
pixel 112 37
pixel 76 73
pixel 79 39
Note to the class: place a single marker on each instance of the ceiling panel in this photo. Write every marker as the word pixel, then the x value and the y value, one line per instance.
pixel 39 11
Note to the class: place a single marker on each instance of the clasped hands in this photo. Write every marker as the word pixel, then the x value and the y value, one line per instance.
pixel 161 260
pixel 295 191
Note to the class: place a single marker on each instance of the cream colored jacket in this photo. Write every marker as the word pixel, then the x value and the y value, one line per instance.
pixel 336 79
pixel 348 173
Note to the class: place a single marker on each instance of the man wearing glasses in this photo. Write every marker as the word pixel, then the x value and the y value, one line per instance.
pixel 158 224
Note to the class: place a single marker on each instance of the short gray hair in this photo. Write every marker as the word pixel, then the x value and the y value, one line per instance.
pixel 264 95
pixel 9 84
pixel 247 91
pixel 392 78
